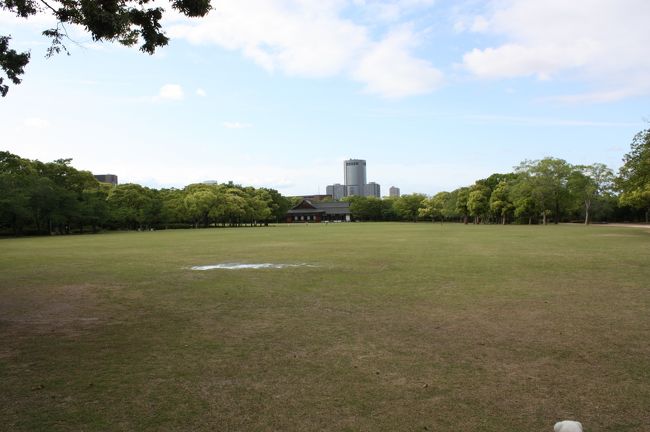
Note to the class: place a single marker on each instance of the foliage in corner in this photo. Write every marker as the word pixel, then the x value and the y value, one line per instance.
pixel 123 21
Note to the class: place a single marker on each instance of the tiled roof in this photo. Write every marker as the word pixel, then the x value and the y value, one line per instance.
pixel 332 208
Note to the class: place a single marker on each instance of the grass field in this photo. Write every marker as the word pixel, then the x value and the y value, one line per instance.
pixel 393 327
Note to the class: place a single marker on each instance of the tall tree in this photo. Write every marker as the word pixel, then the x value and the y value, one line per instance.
pixel 434 207
pixel 478 202
pixel 462 195
pixel 548 180
pixel 259 205
pixel 198 204
pixel 500 201
pixel 589 183
pixel 132 206
pixel 408 206
pixel 17 179
pixel 634 176
pixel 279 204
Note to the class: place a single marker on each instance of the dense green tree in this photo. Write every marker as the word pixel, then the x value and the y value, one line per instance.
pixel 495 179
pixel 462 195
pixel 133 206
pixel 173 209
pixel 260 203
pixel 547 180
pixel 449 207
pixel 478 202
pixel 94 208
pixel 589 183
pixel 521 196
pixel 67 191
pixel 366 208
pixel 501 202
pixel 388 212
pixel 232 209
pixel 17 178
pixel 279 205
pixel 199 200
pixel 54 197
pixel 128 22
pixel 408 206
pixel 434 207
pixel 634 176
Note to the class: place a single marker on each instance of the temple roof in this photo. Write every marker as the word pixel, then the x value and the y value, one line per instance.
pixel 309 207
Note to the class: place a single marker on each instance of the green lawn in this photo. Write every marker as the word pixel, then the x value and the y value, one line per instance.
pixel 395 327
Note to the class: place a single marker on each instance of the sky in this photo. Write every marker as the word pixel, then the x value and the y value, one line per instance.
pixel 433 94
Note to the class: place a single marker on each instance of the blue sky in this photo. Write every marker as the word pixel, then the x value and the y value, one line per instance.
pixel 433 94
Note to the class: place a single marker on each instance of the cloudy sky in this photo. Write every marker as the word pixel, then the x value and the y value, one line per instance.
pixel 434 94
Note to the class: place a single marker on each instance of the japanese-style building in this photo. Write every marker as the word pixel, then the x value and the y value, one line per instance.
pixel 308 211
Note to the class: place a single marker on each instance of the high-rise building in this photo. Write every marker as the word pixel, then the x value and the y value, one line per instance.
pixel 354 182
pixel 393 192
pixel 372 189
pixel 336 191
pixel 106 178
pixel 354 175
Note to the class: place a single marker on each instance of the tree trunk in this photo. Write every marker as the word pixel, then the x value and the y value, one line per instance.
pixel 503 219
pixel 587 205
pixel 544 218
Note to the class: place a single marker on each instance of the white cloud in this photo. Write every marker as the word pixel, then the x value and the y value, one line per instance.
pixel 170 92
pixel 201 92
pixel 603 42
pixel 312 39
pixel 236 125
pixel 480 24
pixel 391 10
pixel 387 68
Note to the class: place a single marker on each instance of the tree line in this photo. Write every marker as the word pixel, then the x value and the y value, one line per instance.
pixel 56 198
pixel 537 191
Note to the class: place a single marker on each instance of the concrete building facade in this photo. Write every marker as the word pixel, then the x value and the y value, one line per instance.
pixel 354 176
pixel 393 192
pixel 336 191
pixel 372 189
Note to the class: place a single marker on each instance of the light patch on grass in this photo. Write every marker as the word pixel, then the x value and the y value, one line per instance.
pixel 239 266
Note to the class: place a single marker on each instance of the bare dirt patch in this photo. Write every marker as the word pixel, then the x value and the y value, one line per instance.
pixel 66 309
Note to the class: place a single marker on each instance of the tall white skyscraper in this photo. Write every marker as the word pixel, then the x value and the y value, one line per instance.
pixel 354 173
pixel 354 182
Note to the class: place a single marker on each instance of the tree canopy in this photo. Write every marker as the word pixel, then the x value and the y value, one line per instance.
pixel 54 197
pixel 634 175
pixel 128 22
